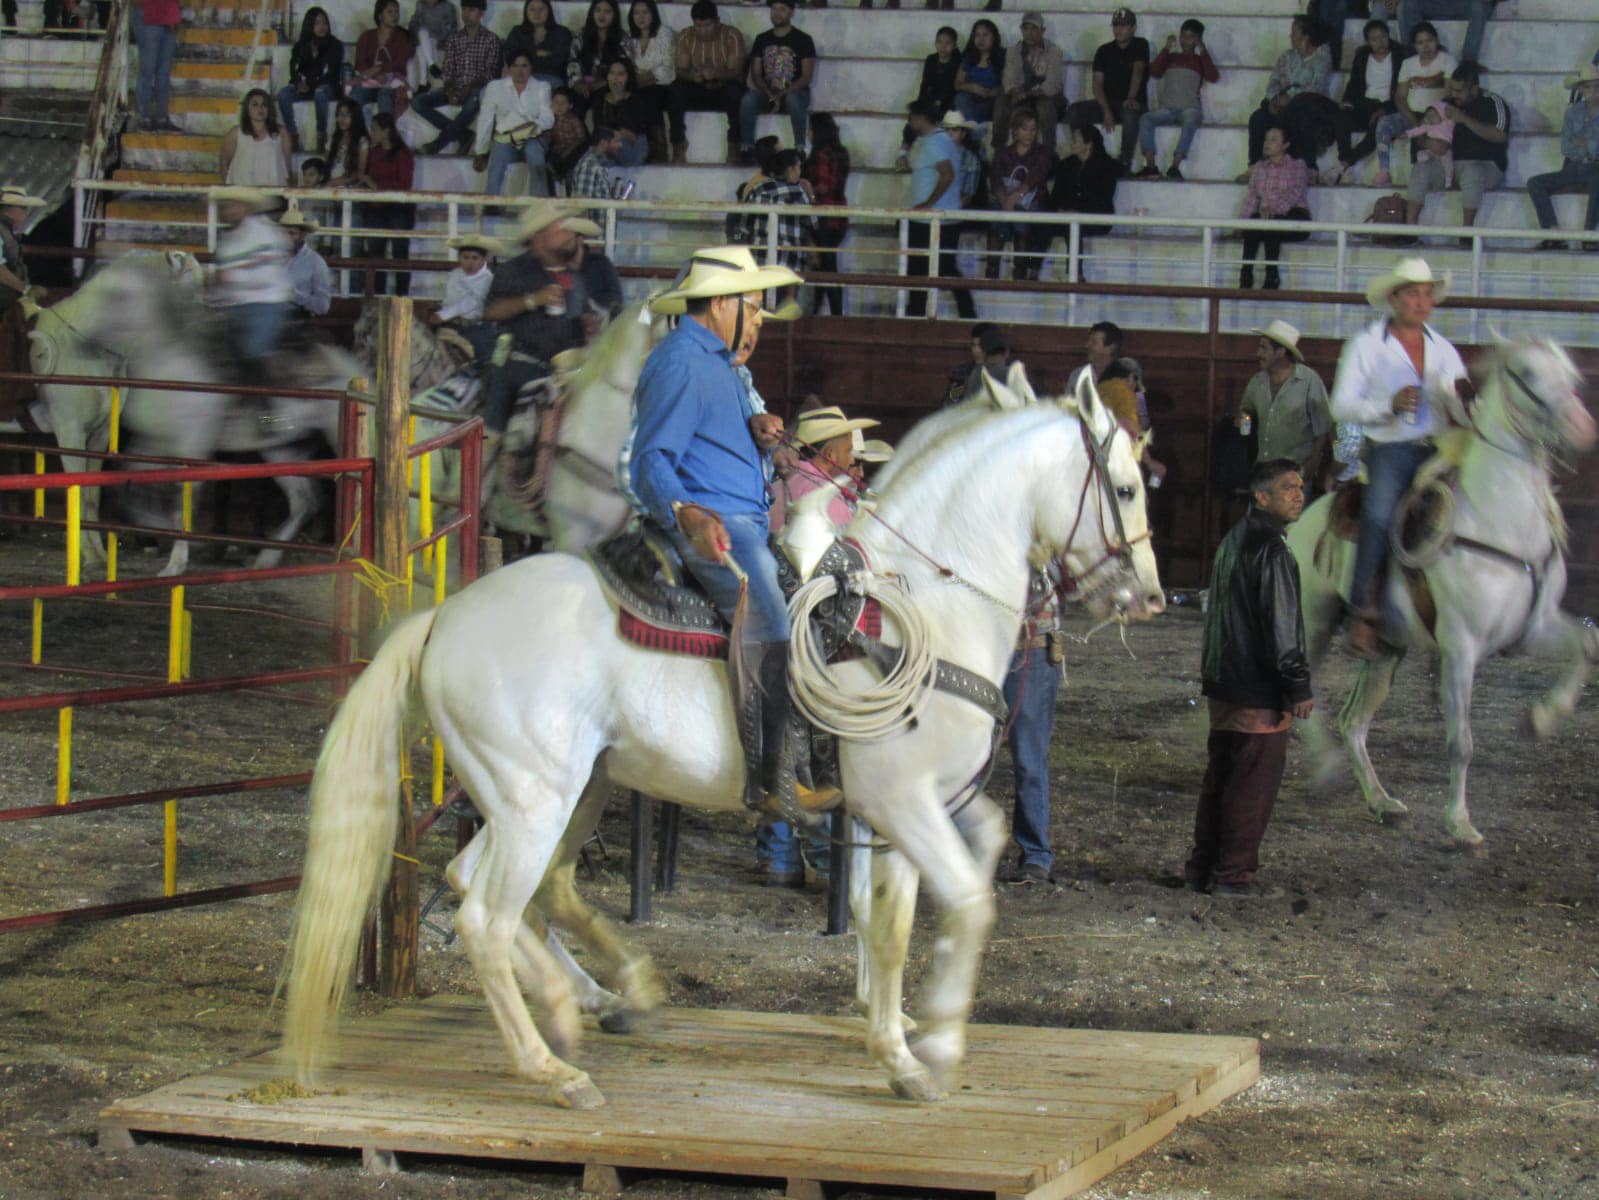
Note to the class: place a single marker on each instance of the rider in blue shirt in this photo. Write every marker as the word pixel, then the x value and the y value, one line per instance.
pixel 697 464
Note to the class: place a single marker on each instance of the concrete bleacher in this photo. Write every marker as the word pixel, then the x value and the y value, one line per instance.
pixel 870 61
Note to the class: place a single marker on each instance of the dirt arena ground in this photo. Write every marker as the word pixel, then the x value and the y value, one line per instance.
pixel 1429 1021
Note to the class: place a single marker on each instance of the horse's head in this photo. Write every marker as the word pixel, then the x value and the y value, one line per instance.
pixel 1108 554
pixel 1537 392
pixel 131 300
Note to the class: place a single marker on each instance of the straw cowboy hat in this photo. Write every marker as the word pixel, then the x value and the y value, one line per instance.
pixel 258 200
pixel 824 424
pixel 542 214
pixel 1588 74
pixel 293 218
pixel 954 120
pixel 720 271
pixel 1405 272
pixel 476 241
pixel 1285 335
pixel 15 197
pixel 874 450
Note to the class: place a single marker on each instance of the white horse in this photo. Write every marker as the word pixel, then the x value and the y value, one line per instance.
pixel 542 714
pixel 1497 585
pixel 78 414
pixel 161 330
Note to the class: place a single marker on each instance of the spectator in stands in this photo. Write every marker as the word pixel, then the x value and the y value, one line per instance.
pixel 977 80
pixel 257 152
pixel 1481 135
pixel 746 229
pixel 515 111
pixel 1183 67
pixel 313 172
pixel 973 180
pixel 1017 182
pixel 316 67
pixel 1287 402
pixel 940 71
pixel 382 58
pixel 782 64
pixel 1579 144
pixel 1434 141
pixel 1085 180
pixel 1121 67
pixel 796 232
pixel 547 42
pixel 1369 96
pixel 155 31
pixel 432 23
pixel 710 70
pixel 390 167
pixel 1031 79
pixel 1103 348
pixel 309 275
pixel 600 43
pixel 349 147
pixel 1296 96
pixel 472 59
pixel 1278 186
pixel 591 176
pixel 567 138
pixel 1423 82
pixel 935 186
pixel 250 272
pixel 1474 12
pixel 827 171
pixel 651 50
pixel 619 107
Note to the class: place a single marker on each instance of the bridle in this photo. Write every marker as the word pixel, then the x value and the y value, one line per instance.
pixel 1116 564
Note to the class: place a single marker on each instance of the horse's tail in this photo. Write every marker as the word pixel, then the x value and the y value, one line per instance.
pixel 354 815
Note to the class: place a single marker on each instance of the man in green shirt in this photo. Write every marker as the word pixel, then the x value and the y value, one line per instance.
pixel 1287 404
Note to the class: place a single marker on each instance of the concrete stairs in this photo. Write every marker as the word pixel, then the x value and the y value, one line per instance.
pixel 220 57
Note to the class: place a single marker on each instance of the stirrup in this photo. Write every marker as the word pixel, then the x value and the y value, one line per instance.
pixel 805 810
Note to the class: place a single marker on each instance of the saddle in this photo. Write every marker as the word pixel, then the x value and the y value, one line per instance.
pixel 662 607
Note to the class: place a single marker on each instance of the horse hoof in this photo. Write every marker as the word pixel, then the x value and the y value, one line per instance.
pixel 1538 722
pixel 918 1087
pixel 1393 819
pixel 621 1020
pixel 941 1054
pixel 579 1093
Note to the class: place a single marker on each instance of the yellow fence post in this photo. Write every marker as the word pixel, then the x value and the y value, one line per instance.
pixel 169 810
pixel 424 474
pixel 186 625
pixel 36 645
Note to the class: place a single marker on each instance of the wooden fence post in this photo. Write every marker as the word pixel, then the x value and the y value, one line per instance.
pixel 399 916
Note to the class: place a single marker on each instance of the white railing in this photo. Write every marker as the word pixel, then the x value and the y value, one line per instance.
pixel 471 211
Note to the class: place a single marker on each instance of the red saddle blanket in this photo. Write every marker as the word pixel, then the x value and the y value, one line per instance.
pixel 642 632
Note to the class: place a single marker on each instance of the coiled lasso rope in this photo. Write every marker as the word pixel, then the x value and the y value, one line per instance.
pixel 889 705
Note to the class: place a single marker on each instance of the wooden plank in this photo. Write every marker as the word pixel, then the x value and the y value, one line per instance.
pixel 111 1136
pixel 782 1096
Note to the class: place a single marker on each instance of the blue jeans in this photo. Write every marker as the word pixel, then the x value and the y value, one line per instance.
pixel 777 847
pixel 504 154
pixel 634 153
pixel 797 104
pixel 1473 12
pixel 383 97
pixel 323 97
pixel 1034 705
pixel 1188 118
pixel 504 384
pixel 451 129
pixel 974 108
pixel 158 44
pixel 1390 466
pixel 1542 187
pixel 257 328
pixel 767 617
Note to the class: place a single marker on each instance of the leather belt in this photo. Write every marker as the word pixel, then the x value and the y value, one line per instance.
pixel 1032 643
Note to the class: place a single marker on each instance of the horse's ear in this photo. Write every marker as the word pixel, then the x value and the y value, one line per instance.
pixel 998 395
pixel 1016 379
pixel 1090 408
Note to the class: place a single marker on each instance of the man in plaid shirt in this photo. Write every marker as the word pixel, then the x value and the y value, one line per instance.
pixel 592 174
pixel 472 58
pixel 795 232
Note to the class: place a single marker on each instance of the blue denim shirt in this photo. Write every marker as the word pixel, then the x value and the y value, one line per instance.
pixel 694 443
pixel 1579 134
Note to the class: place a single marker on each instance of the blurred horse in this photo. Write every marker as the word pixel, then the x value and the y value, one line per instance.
pixel 1496 574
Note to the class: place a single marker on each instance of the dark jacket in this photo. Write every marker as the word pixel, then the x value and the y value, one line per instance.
pixel 1254 635
pixel 549 59
pixel 318 61
pixel 1355 88
pixel 1086 187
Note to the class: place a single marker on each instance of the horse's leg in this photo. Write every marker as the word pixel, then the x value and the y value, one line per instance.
pixel 303 504
pixel 1560 634
pixel 884 928
pixel 1457 670
pixel 1320 611
pixel 501 875
pixel 1354 722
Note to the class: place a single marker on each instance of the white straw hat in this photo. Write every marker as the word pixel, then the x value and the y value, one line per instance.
pixel 15 197
pixel 1285 335
pixel 720 271
pixel 824 424
pixel 1406 272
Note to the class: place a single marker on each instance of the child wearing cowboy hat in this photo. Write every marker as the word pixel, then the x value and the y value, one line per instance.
pixel 466 291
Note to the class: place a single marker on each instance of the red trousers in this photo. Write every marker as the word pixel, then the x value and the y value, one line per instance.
pixel 1235 803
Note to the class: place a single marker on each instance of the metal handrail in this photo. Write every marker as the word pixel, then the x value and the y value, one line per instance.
pixel 106 111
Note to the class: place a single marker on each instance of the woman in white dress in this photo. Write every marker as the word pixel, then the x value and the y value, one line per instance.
pixel 651 47
pixel 259 152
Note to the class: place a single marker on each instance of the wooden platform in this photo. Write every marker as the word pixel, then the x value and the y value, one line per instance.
pixel 1041 1112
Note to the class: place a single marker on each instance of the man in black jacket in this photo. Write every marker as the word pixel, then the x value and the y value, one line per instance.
pixel 1258 680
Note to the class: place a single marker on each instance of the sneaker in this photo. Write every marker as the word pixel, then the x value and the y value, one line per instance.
pixel 1024 874
pixel 1382 179
pixel 1173 173
pixel 1150 171
pixel 1245 891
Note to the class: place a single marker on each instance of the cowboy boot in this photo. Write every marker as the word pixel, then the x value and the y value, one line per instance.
pixel 781 795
